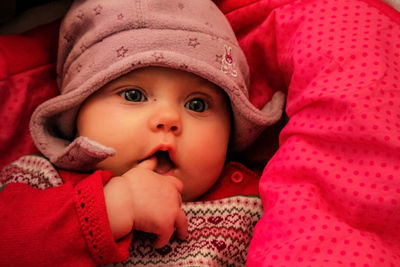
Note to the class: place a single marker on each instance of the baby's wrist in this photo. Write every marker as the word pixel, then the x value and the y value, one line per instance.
pixel 117 197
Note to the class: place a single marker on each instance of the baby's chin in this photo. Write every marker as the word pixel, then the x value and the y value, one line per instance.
pixel 192 196
pixel 188 198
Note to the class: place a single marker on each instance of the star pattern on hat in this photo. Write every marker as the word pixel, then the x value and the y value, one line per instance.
pixel 193 42
pixel 80 15
pixel 68 38
pixel 134 64
pixel 79 67
pixel 208 24
pixel 158 56
pixel 121 52
pixel 83 47
pixel 218 58
pixel 97 10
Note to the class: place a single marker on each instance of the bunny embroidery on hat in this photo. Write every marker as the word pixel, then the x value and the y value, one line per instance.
pixel 227 64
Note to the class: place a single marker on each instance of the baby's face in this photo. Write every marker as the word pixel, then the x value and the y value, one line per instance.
pixel 177 116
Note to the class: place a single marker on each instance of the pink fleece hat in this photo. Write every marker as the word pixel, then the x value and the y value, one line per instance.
pixel 100 40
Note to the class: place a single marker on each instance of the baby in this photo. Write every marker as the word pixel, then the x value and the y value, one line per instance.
pixel 170 130
pixel 152 95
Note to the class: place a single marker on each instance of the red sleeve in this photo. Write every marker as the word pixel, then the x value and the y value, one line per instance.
pixel 59 226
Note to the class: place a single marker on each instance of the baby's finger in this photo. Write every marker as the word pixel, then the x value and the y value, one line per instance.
pixel 181 225
pixel 149 163
pixel 163 239
pixel 177 183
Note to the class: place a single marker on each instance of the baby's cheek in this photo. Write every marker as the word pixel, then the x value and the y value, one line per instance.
pixel 113 164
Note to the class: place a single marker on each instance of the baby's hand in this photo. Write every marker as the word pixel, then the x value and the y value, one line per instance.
pixel 147 201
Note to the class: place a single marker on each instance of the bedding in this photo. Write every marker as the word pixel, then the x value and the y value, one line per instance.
pixel 27 78
pixel 331 192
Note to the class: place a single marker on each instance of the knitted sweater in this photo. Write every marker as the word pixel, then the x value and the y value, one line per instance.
pixel 54 217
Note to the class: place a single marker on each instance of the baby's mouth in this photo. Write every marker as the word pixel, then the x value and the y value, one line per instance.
pixel 164 162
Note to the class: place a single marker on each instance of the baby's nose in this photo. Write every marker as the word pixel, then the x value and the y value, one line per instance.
pixel 168 126
pixel 167 120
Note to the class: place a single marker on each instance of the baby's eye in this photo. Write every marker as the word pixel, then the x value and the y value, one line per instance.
pixel 133 95
pixel 197 105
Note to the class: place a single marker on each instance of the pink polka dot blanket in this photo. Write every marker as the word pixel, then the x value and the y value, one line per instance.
pixel 331 192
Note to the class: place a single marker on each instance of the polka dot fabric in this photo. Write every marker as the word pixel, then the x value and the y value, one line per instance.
pixel 331 193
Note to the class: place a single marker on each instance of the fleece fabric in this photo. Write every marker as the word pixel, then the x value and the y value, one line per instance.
pixel 331 193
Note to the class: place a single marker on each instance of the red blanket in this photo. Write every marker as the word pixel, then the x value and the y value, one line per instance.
pixel 27 78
